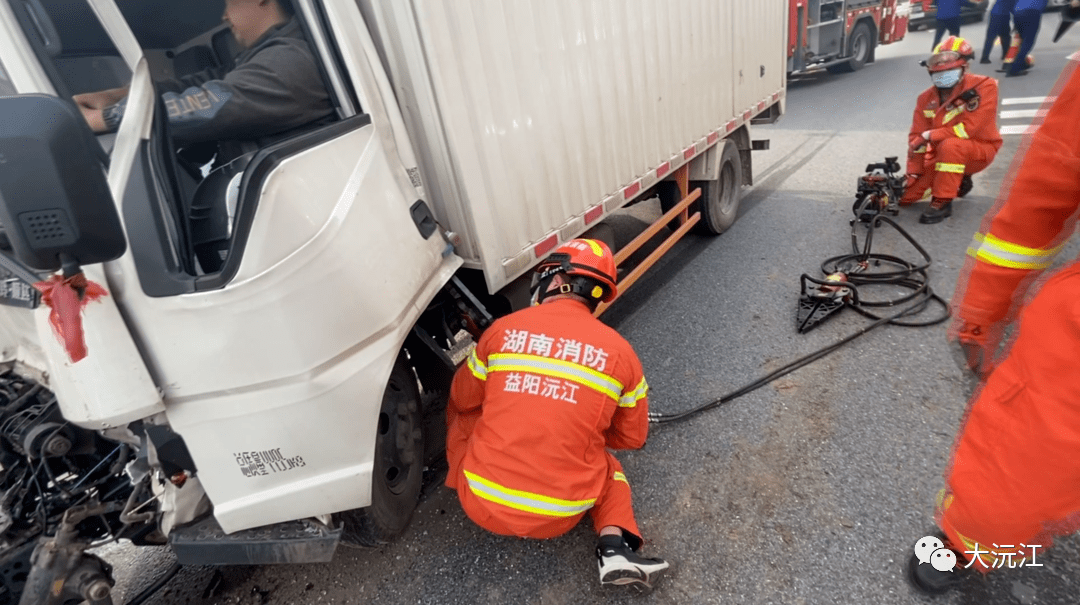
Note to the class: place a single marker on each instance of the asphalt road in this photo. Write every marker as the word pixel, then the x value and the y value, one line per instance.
pixel 811 490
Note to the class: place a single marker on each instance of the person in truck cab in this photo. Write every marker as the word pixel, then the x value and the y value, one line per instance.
pixel 274 89
pixel 953 132
pixel 531 416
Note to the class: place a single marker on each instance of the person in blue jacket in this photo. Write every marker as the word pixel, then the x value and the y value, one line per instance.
pixel 948 18
pixel 1028 16
pixel 999 28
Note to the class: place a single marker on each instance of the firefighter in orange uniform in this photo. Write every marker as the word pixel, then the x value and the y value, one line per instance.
pixel 531 414
pixel 1012 481
pixel 954 130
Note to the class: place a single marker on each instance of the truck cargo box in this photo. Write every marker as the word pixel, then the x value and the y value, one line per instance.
pixel 534 119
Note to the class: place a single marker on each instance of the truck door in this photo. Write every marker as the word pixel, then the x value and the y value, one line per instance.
pixel 112 386
pixel 325 258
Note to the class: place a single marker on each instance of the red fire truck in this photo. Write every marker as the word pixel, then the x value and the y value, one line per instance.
pixel 841 35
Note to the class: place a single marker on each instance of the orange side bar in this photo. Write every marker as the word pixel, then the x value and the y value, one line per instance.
pixel 679 212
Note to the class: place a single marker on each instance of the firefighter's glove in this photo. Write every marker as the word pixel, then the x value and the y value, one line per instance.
pixel 972 349
pixel 909 182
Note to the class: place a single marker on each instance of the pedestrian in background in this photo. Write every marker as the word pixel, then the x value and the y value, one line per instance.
pixel 948 18
pixel 1027 16
pixel 998 28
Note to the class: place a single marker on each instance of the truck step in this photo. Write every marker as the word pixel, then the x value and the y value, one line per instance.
pixel 303 541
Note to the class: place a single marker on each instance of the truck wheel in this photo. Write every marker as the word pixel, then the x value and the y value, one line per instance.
pixel 399 464
pixel 859 46
pixel 719 201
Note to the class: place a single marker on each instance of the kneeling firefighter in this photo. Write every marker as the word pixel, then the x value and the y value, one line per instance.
pixel 954 130
pixel 531 414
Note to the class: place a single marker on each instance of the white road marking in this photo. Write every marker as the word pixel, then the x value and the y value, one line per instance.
pixel 1019 129
pixel 1023 113
pixel 1027 100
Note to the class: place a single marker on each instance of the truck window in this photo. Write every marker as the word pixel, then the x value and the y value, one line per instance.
pixel 229 84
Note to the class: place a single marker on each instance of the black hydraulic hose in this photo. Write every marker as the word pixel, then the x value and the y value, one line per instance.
pixel 152 589
pixel 912 277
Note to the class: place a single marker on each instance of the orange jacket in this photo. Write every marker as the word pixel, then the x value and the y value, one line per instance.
pixel 545 391
pixel 1037 214
pixel 972 117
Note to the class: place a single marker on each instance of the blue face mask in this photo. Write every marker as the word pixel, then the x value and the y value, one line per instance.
pixel 947 79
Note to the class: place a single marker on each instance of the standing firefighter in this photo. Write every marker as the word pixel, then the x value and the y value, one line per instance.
pixel 530 416
pixel 1012 482
pixel 954 130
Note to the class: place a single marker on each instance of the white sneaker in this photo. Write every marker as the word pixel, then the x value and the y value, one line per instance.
pixel 621 566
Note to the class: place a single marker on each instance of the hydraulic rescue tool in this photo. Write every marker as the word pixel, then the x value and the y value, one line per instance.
pixel 849 276
pixel 879 191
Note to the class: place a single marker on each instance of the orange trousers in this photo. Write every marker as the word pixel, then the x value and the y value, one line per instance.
pixel 945 165
pixel 612 507
pixel 1014 478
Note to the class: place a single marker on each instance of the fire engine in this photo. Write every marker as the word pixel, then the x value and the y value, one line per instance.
pixel 841 35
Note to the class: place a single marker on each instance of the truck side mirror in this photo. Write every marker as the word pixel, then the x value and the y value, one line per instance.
pixel 55 204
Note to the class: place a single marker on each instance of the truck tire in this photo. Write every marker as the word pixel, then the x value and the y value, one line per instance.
pixel 719 201
pixel 860 45
pixel 398 466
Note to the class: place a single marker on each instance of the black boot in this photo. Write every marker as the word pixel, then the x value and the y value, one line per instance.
pixel 925 578
pixel 939 210
pixel 966 184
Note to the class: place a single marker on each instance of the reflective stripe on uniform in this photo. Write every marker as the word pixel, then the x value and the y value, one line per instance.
pixel 630 399
pixel 558 368
pixel 921 149
pixel 999 252
pixel 928 113
pixel 954 168
pixel 961 131
pixel 621 477
pixel 477 367
pixel 952 114
pixel 526 501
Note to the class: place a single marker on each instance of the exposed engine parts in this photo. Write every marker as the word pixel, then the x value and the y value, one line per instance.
pixel 56 477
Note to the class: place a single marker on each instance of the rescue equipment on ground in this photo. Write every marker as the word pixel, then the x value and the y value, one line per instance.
pixel 878 193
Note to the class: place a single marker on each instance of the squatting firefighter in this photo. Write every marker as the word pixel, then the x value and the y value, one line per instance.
pixel 545 392
pixel 954 130
pixel 1012 481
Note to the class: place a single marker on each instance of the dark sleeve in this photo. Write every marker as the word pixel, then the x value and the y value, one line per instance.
pixel 277 90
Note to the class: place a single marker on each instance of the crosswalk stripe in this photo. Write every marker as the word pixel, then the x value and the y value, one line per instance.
pixel 1018 129
pixel 1027 100
pixel 1023 113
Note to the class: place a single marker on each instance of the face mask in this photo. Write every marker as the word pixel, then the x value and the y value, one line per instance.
pixel 947 79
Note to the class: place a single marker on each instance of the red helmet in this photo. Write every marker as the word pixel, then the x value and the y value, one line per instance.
pixel 589 259
pixel 953 52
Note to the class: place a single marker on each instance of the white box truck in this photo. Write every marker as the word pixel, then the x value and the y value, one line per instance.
pixel 266 406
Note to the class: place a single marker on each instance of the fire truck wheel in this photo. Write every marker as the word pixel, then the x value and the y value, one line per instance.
pixel 719 201
pixel 399 464
pixel 860 45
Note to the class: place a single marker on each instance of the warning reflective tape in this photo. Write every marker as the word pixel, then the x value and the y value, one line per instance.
pixel 929 113
pixel 477 367
pixel 954 168
pixel 557 368
pixel 961 131
pixel 999 252
pixel 630 399
pixel 526 501
pixel 621 477
pixel 952 114
pixel 921 149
